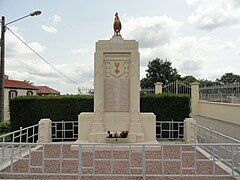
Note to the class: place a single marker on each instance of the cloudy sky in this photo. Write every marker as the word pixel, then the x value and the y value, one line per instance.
pixel 200 37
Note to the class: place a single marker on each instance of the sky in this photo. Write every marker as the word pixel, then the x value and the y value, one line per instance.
pixel 200 37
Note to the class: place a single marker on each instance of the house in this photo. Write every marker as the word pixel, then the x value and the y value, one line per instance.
pixel 47 91
pixel 14 88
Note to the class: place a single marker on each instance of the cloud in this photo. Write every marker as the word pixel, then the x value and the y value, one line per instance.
pixel 14 47
pixel 189 67
pixel 23 64
pixel 212 14
pixel 56 18
pixel 227 45
pixel 49 29
pixel 151 31
pixel 192 55
pixel 80 51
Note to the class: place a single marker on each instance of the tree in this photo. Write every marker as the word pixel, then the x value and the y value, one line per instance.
pixel 189 79
pixel 159 71
pixel 205 82
pixel 228 78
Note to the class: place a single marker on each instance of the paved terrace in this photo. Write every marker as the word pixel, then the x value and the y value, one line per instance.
pixel 166 161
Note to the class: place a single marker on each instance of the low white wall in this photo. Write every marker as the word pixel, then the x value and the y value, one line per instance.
pixel 223 111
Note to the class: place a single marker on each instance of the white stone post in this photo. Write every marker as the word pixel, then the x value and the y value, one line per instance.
pixel 45 131
pixel 158 87
pixel 189 132
pixel 195 98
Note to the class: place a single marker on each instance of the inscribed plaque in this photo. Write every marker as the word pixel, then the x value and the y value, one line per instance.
pixel 117 95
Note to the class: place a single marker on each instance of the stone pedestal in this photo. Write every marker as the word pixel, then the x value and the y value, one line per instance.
pixel 117 95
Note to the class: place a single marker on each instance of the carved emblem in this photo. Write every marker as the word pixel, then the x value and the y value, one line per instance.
pixel 116 68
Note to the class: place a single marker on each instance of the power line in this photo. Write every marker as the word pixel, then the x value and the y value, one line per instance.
pixel 41 57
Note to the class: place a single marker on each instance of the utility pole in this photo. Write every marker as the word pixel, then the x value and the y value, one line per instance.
pixel 3 28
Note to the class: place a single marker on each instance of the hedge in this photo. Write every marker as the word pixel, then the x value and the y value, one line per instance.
pixel 166 107
pixel 28 110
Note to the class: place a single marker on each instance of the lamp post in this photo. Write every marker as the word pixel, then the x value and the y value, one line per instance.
pixel 2 43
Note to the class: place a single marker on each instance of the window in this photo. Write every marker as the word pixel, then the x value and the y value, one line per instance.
pixel 12 94
pixel 29 93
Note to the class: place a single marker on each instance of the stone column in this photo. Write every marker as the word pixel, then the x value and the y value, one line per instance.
pixel 97 125
pixel 189 135
pixel 158 87
pixel 45 131
pixel 195 98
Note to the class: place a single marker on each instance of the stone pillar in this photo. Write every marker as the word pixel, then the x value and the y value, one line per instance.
pixel 45 131
pixel 189 135
pixel 158 87
pixel 195 98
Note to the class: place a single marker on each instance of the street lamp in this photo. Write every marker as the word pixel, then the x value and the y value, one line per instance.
pixel 3 30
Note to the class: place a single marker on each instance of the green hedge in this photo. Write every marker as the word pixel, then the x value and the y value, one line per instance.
pixel 26 111
pixel 166 107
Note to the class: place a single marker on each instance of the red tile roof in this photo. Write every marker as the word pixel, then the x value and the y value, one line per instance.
pixel 14 84
pixel 46 90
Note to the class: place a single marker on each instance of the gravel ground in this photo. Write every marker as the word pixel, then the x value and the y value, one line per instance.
pixel 118 163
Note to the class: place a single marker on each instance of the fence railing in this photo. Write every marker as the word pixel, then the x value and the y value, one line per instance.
pixel 64 130
pixel 126 160
pixel 68 130
pixel 212 155
pixel 147 91
pixel 17 138
pixel 229 93
pixel 86 90
pixel 177 87
pixel 170 130
pixel 207 135
pixel 28 134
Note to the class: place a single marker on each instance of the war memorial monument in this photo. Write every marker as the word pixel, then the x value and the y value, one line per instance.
pixel 116 95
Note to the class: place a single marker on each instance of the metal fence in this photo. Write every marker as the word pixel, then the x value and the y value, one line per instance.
pixel 90 90
pixel 125 160
pixel 64 130
pixel 229 93
pixel 212 155
pixel 208 135
pixel 147 91
pixel 86 90
pixel 28 134
pixel 177 87
pixel 230 154
pixel 68 130
pixel 170 130
pixel 17 148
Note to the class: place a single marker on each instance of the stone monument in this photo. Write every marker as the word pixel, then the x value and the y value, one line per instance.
pixel 116 94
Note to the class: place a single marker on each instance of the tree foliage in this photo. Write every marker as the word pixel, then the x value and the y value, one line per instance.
pixel 205 82
pixel 159 71
pixel 189 79
pixel 228 78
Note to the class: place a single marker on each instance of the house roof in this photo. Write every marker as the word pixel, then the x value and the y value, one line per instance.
pixel 18 84
pixel 46 90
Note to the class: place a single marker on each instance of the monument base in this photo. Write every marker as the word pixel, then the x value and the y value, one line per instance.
pixel 88 146
pixel 89 133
